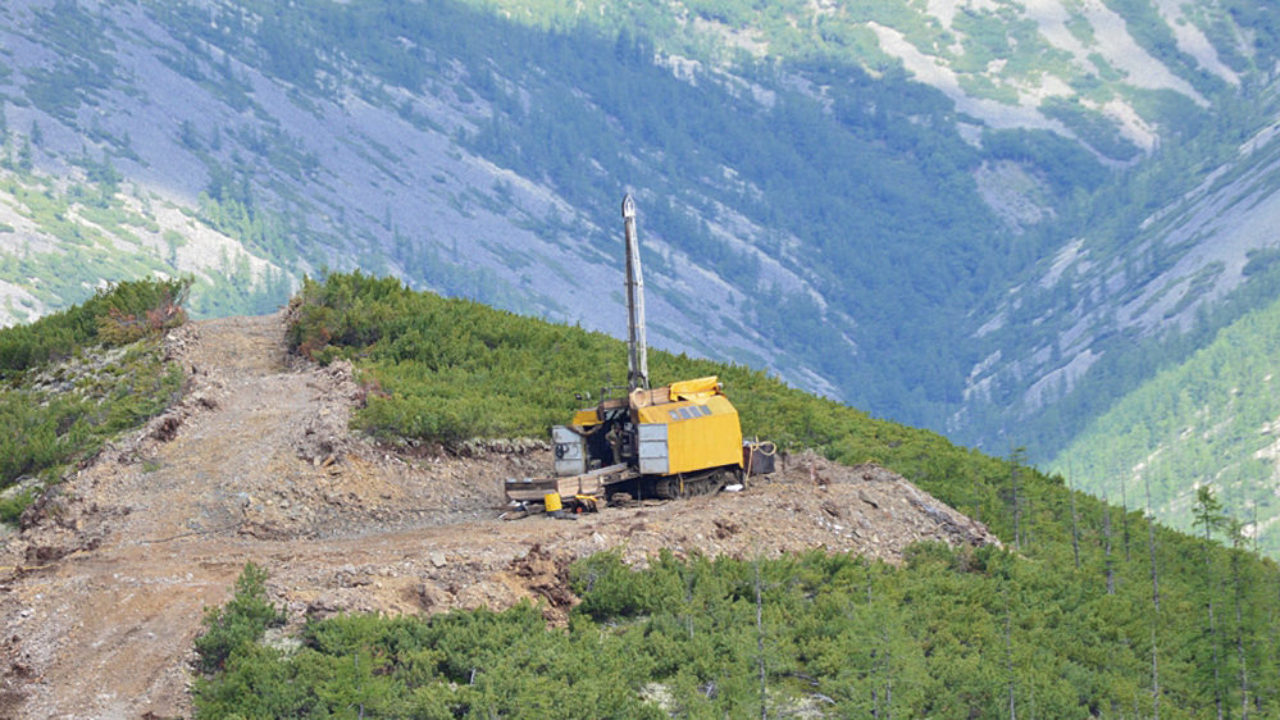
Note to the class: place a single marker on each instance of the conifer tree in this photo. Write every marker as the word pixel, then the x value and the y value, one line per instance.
pixel 24 156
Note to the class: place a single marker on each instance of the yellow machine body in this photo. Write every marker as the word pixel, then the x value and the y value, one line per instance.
pixel 685 427
pixel 701 433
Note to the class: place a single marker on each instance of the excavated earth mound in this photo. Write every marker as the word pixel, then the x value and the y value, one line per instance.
pixel 103 589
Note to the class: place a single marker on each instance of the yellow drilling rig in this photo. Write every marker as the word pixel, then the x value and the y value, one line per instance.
pixel 673 441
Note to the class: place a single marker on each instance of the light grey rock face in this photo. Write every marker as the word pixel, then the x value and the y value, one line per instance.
pixel 1204 240
pixel 361 185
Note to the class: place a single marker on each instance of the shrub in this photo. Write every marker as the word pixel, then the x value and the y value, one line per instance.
pixel 49 425
pixel 120 327
pixel 115 315
pixel 239 623
pixel 11 507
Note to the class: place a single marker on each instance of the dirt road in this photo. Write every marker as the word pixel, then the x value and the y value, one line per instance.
pixel 102 595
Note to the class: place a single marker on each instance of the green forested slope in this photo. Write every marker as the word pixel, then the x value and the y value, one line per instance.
pixel 1132 240
pixel 1062 622
pixel 1211 421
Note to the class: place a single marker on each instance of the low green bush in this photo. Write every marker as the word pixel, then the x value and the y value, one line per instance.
pixel 951 633
pixel 52 415
pixel 238 624
pixel 115 315
pixel 11 507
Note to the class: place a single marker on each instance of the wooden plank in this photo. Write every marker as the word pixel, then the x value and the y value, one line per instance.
pixel 592 483
pixel 580 485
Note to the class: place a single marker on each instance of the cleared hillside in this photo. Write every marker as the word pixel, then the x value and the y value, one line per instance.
pixel 105 584
pixel 1074 593
pixel 257 463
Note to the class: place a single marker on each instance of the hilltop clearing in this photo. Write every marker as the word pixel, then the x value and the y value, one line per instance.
pixel 105 584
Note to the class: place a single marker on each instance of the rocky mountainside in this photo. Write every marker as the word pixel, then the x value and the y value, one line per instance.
pixel 198 160
pixel 989 218
pixel 105 584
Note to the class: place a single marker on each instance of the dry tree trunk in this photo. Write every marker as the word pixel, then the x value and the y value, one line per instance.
pixel 1155 600
pixel 1106 533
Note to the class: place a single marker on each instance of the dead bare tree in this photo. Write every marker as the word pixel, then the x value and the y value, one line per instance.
pixel 881 672
pixel 1008 655
pixel 1075 526
pixel 1106 534
pixel 1016 457
pixel 1124 518
pixel 1236 530
pixel 1208 515
pixel 764 681
pixel 1155 601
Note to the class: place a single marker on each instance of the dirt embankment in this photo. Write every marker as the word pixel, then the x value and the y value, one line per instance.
pixel 103 590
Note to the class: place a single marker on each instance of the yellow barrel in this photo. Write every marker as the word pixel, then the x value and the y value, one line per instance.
pixel 552 501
